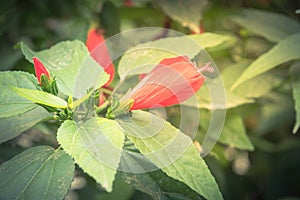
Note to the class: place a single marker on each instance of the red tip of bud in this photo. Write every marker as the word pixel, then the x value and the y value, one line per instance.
pixel 40 69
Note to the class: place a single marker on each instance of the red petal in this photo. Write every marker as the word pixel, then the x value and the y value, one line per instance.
pixel 98 50
pixel 39 69
pixel 172 81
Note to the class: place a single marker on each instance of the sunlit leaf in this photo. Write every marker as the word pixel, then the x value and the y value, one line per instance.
pixel 71 64
pixel 286 50
pixel 272 26
pixel 171 150
pixel 10 102
pixel 144 57
pixel 37 173
pixel 11 127
pixel 254 88
pixel 295 74
pixel 188 12
pixel 41 97
pixel 96 147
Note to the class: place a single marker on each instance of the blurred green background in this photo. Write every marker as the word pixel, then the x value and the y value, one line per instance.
pixel 271 171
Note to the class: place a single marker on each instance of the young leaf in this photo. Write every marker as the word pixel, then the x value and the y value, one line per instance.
pixel 144 57
pixel 11 103
pixel 96 147
pixel 171 150
pixel 188 12
pixel 11 127
pixel 41 97
pixel 272 26
pixel 71 64
pixel 286 50
pixel 295 74
pixel 37 173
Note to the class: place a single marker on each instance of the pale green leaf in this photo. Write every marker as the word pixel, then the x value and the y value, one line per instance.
pixel 204 100
pixel 71 64
pixel 295 74
pixel 272 26
pixel 233 133
pixel 41 97
pixel 96 147
pixel 144 57
pixel 10 102
pixel 171 150
pixel 11 127
pixel 253 88
pixel 286 50
pixel 37 173
pixel 188 12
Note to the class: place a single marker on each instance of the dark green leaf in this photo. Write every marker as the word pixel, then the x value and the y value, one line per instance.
pixel 11 127
pixel 37 173
pixel 96 147
pixel 272 26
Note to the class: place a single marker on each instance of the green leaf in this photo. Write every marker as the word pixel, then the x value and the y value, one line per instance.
pixel 272 26
pixel 37 173
pixel 160 186
pixel 144 57
pixel 170 150
pixel 96 147
pixel 41 97
pixel 11 103
pixel 295 74
pixel 11 127
pixel 286 50
pixel 188 12
pixel 254 88
pixel 234 132
pixel 71 64
pixel 204 100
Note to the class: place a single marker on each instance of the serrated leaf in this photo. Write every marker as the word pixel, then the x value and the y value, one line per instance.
pixel 286 50
pixel 11 103
pixel 37 173
pixel 96 147
pixel 295 74
pixel 70 63
pixel 41 97
pixel 11 127
pixel 188 12
pixel 272 26
pixel 144 57
pixel 170 150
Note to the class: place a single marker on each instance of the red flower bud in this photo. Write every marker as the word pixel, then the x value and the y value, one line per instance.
pixel 98 50
pixel 171 82
pixel 40 69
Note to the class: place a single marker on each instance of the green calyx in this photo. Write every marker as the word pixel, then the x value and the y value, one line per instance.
pixel 49 85
pixel 119 109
